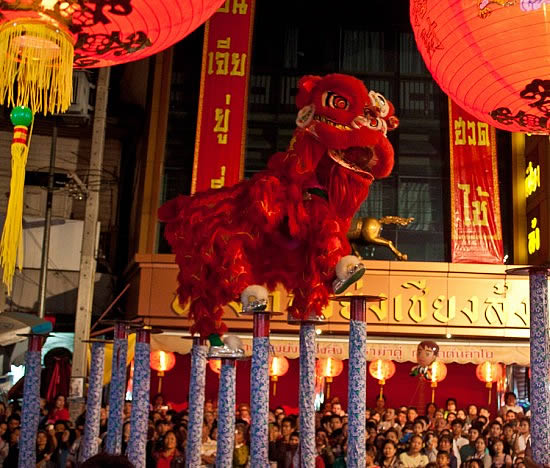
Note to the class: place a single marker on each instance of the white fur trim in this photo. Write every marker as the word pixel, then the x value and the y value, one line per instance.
pixel 342 267
pixel 259 292
pixel 233 342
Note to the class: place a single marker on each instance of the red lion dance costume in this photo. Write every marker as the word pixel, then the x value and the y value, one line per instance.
pixel 287 224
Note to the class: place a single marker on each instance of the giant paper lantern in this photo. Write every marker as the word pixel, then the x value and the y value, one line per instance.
pixel 381 370
pixel 489 372
pixel 40 43
pixel 436 373
pixel 278 366
pixel 490 57
pixel 328 368
pixel 162 362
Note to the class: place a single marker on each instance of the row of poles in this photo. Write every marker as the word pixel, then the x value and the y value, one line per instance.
pixel 540 394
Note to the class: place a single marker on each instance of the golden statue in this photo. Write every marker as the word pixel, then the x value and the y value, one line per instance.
pixel 367 231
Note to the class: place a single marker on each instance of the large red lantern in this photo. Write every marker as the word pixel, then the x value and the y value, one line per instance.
pixel 489 372
pixel 382 370
pixel 328 368
pixel 41 41
pixel 278 366
pixel 162 362
pixel 490 57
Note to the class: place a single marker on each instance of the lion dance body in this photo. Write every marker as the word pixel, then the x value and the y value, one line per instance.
pixel 288 223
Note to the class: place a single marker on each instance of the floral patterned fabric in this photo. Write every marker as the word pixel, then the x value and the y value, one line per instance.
pixel 259 401
pixel 113 440
pixel 226 415
pixel 540 364
pixel 30 410
pixel 357 393
pixel 93 402
pixel 307 395
pixel 196 404
pixel 140 404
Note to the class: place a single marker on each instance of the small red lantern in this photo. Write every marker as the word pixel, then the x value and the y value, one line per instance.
pixel 382 370
pixel 162 362
pixel 489 372
pixel 278 366
pixel 436 373
pixel 490 57
pixel 328 368
pixel 215 365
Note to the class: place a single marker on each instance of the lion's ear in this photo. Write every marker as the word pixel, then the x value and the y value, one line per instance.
pixel 305 86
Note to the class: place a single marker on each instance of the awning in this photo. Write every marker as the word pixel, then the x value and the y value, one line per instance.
pixel 462 352
pixel 12 345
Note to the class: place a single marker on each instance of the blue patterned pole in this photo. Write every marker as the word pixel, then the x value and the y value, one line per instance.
pixel 259 391
pixel 307 395
pixel 540 365
pixel 196 403
pixel 357 382
pixel 140 398
pixel 226 415
pixel 113 441
pixel 93 402
pixel 31 403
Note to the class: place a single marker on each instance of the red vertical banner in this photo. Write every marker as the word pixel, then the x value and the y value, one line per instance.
pixel 221 121
pixel 476 234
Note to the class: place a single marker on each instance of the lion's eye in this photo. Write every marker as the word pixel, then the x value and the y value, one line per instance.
pixel 335 101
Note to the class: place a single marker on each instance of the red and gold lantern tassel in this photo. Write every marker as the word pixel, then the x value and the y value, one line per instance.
pixel 11 245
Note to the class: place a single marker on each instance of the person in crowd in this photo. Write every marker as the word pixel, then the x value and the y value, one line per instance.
pixel 127 410
pixel 412 414
pixel 292 454
pixel 370 456
pixel 389 457
pixel 440 424
pixel 430 446
pixel 169 456
pixel 323 447
pixel 125 437
pixel 445 444
pixel 208 449
pixel 393 435
pixel 388 420
pixel 401 419
pixel 472 414
pixel 44 450
pixel 450 407
pixel 466 451
pixel 279 448
pixel 337 407
pixel 241 452
pixel 414 457
pixel 335 422
pixel 457 426
pixel 244 413
pixel 338 443
pixel 509 434
pixel 510 400
pixel 380 407
pixel 482 453
pixel 523 437
pixel 59 410
pixel 443 460
pixel 500 458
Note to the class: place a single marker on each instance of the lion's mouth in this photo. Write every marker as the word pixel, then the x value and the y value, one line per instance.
pixel 356 159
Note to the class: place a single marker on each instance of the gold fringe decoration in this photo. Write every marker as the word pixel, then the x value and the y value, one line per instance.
pixel 36 66
pixel 11 244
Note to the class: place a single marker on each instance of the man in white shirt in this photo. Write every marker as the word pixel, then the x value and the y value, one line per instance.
pixel 458 440
pixel 511 404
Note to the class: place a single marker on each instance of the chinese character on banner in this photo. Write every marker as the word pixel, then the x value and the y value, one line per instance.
pixel 476 234
pixel 221 121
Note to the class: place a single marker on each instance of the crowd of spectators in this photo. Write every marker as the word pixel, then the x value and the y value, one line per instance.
pixel 449 437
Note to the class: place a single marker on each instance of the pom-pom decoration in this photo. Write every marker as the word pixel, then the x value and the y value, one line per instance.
pixel 490 57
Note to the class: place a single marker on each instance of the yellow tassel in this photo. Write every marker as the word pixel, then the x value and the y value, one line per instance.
pixel 36 62
pixel 11 245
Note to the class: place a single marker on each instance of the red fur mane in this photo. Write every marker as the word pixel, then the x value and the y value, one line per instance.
pixel 287 224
